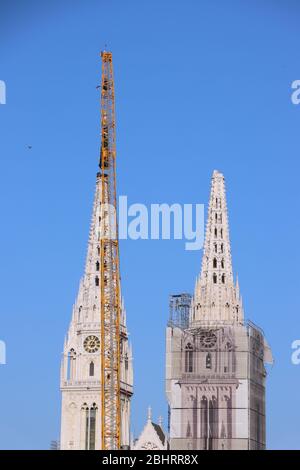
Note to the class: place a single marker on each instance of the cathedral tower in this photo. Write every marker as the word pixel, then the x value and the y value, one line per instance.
pixel 81 361
pixel 215 374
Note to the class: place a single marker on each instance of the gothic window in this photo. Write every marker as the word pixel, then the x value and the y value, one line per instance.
pixel 216 217
pixel 208 361
pixel 218 203
pixel 188 430
pixel 215 263
pixel 97 266
pixel 92 369
pixel 203 417
pixel 223 278
pixel 98 250
pixel 93 426
pixel 212 422
pixel 216 233
pixel 90 426
pixel 215 278
pixel 222 247
pixel 87 425
pixel 229 417
pixel 189 358
pixel 216 248
pixel 126 362
pixel 222 264
pixel 237 313
pixel 221 233
pixel 97 281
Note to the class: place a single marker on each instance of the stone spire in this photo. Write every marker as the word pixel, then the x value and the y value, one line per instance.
pixel 87 305
pixel 216 298
pixel 81 376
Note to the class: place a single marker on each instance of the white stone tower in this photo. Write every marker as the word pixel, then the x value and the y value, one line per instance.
pixel 215 374
pixel 81 366
pixel 216 298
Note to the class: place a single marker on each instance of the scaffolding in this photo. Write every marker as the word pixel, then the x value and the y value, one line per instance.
pixel 179 308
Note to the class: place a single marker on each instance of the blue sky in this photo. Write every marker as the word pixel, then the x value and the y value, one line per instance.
pixel 200 85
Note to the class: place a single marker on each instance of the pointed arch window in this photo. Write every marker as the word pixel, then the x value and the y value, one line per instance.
pixel 189 358
pixel 96 281
pixel 222 264
pixel 229 416
pixel 188 430
pixel 97 266
pixel 221 232
pixel 213 422
pixel 215 263
pixel 209 422
pixel 216 248
pixel 204 420
pixel 215 278
pixel 126 362
pixel 223 278
pixel 93 426
pixel 216 233
pixel 90 415
pixel 208 361
pixel 92 369
pixel 218 203
pixel 222 248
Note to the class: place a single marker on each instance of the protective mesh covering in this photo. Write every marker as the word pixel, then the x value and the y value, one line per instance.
pixel 216 387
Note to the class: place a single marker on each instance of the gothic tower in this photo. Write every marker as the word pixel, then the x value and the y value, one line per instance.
pixel 215 374
pixel 81 361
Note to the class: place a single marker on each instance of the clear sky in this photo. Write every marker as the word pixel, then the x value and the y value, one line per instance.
pixel 200 85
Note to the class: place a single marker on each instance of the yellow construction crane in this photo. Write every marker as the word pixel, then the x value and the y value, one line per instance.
pixel 110 274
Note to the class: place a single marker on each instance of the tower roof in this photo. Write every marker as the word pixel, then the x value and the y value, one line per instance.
pixel 216 298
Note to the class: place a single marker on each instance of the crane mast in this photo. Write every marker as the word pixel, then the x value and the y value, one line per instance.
pixel 110 275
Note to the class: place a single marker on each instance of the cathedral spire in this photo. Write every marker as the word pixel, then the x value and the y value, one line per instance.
pixel 216 298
